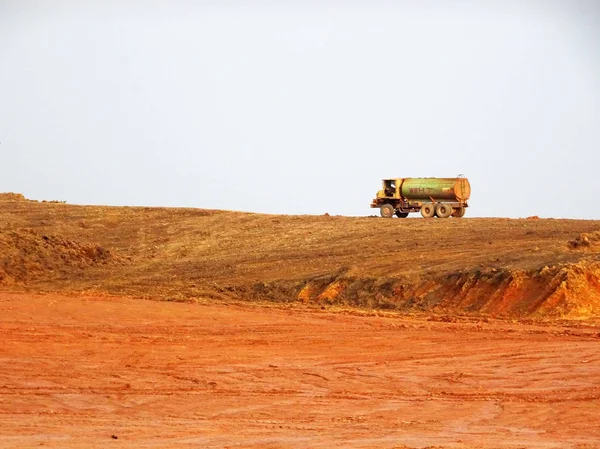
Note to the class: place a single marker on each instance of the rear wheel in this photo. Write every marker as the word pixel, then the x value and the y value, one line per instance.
pixel 427 210
pixel 459 212
pixel 401 214
pixel 443 210
pixel 386 211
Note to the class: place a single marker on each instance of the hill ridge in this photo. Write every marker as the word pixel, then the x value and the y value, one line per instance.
pixel 487 266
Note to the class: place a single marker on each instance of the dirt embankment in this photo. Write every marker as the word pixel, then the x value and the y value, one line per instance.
pixel 524 268
pixel 27 256
pixel 570 291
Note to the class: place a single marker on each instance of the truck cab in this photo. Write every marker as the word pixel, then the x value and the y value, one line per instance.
pixel 390 189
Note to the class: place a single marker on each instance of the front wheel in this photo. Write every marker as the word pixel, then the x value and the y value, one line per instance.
pixel 427 210
pixel 386 211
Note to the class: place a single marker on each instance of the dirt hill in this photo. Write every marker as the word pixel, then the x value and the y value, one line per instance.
pixel 28 256
pixel 524 268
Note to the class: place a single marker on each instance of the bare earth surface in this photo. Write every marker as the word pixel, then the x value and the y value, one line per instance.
pixel 496 267
pixel 140 327
pixel 84 371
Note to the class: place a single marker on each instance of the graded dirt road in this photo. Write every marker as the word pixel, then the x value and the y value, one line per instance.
pixel 84 372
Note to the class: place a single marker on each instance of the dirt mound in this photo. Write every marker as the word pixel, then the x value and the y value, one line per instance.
pixel 10 196
pixel 586 240
pixel 27 255
pixel 569 291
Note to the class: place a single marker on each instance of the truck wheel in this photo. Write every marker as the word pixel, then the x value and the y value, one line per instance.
pixel 459 212
pixel 401 214
pixel 443 210
pixel 386 211
pixel 427 210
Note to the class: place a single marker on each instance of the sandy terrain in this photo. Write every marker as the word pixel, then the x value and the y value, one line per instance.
pixel 82 372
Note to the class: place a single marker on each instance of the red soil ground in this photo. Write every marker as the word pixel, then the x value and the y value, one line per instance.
pixel 84 372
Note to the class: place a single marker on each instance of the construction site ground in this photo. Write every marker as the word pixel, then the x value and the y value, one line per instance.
pixel 175 328
pixel 81 372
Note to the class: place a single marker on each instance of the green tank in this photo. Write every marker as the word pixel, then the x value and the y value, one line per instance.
pixel 448 189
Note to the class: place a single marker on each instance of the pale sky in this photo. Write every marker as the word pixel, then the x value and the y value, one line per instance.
pixel 301 107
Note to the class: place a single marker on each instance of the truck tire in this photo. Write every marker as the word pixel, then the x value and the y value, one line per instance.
pixel 443 210
pixel 401 214
pixel 427 210
pixel 459 212
pixel 386 211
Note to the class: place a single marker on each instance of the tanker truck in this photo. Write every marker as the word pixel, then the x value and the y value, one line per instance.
pixel 433 197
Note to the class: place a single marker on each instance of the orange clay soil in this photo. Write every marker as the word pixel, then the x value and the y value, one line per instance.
pixel 95 372
pixel 295 331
